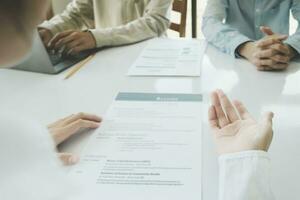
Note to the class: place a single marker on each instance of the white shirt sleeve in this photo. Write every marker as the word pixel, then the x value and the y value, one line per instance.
pixel 245 176
pixel 78 15
pixel 30 169
pixel 153 23
pixel 84 14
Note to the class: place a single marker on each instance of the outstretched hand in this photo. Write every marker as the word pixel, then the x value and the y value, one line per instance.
pixel 234 129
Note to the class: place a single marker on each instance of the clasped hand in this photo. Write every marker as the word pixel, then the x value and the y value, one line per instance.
pixel 269 53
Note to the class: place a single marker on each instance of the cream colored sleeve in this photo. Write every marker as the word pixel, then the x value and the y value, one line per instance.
pixel 154 22
pixel 78 15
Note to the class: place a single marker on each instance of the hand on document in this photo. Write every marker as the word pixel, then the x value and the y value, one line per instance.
pixel 234 129
pixel 65 128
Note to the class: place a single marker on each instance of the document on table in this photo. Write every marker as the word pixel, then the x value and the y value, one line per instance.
pixel 170 57
pixel 148 147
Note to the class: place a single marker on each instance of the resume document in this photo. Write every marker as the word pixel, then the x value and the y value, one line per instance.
pixel 170 57
pixel 148 148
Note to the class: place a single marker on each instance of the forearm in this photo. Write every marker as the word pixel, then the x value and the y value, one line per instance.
pixel 222 36
pixel 154 23
pixel 293 43
pixel 78 15
pixel 293 40
pixel 246 50
pixel 245 176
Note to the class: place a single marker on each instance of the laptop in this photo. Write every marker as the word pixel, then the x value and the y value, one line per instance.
pixel 42 61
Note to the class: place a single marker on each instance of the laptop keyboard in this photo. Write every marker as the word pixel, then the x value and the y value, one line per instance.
pixel 55 58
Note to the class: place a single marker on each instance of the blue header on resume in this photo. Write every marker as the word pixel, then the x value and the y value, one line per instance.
pixel 159 97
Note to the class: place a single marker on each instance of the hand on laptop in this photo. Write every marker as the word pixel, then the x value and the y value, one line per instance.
pixel 234 129
pixel 45 35
pixel 72 42
pixel 69 126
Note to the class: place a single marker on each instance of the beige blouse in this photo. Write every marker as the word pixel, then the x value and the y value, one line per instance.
pixel 114 22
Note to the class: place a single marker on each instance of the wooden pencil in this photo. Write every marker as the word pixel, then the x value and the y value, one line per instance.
pixel 78 66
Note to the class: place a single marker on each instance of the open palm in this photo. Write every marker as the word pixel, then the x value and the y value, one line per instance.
pixel 234 129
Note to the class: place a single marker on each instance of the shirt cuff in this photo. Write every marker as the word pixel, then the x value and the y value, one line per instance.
pixel 236 44
pixel 103 37
pixel 51 27
pixel 244 176
pixel 236 41
pixel 294 42
pixel 237 53
pixel 242 155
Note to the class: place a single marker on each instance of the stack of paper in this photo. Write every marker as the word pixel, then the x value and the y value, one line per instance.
pixel 149 148
pixel 170 57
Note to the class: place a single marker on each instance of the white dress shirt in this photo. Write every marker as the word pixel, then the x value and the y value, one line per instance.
pixel 245 176
pixel 30 169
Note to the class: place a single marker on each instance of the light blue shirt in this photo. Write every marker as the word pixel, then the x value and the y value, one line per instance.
pixel 229 23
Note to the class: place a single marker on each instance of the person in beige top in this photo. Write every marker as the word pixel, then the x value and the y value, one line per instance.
pixel 88 24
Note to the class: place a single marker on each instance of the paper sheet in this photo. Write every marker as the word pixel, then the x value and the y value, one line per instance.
pixel 170 57
pixel 149 148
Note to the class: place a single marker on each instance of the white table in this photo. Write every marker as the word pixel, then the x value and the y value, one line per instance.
pixel 47 98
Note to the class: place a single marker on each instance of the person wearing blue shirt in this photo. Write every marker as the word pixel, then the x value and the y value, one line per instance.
pixel 257 30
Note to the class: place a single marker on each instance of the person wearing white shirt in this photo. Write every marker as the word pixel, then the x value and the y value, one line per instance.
pixel 242 143
pixel 17 24
pixel 89 24
pixel 30 169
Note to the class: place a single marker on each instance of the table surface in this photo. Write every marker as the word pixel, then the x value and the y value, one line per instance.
pixel 47 98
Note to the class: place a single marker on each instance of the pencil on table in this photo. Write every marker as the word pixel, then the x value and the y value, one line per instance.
pixel 78 66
